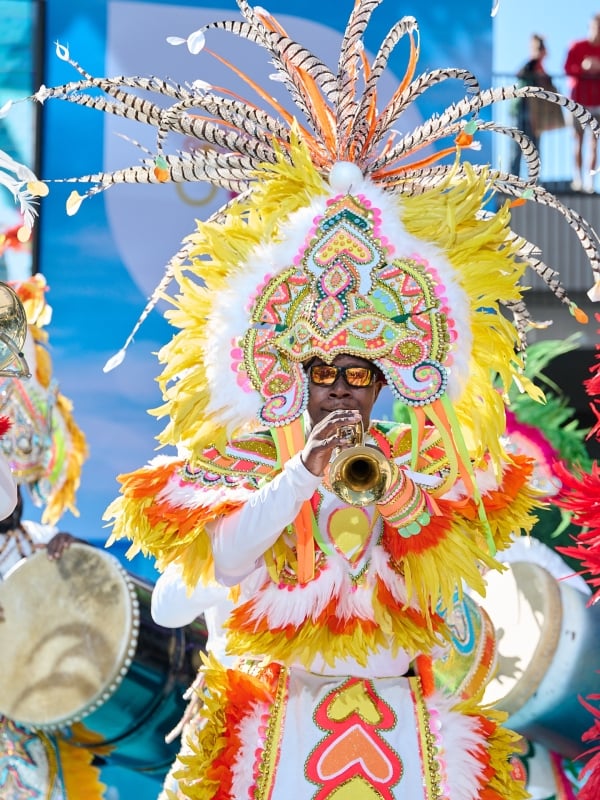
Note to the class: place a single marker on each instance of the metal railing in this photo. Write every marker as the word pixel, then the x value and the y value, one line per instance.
pixel 558 244
pixel 556 147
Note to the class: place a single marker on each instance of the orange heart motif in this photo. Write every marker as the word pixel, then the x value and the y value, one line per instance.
pixel 355 750
pixel 353 760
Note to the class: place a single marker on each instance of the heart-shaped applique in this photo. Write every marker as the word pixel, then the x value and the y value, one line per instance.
pixel 350 531
pixel 355 751
pixel 354 699
pixel 356 788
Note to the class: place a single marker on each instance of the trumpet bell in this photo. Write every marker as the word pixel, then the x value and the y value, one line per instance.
pixel 360 475
pixel 13 332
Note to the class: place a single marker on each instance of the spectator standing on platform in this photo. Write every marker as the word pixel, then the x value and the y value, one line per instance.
pixel 532 73
pixel 582 66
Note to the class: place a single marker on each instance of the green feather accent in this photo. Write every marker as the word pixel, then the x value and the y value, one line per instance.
pixel 555 418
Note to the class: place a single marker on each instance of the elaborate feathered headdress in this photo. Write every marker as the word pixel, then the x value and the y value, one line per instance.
pixel 44 446
pixel 341 236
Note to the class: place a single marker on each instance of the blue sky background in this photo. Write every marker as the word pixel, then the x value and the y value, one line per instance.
pixel 559 22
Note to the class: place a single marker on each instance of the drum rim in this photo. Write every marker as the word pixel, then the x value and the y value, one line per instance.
pixel 533 673
pixel 126 653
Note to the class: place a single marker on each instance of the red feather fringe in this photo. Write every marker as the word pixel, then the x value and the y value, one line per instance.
pixel 591 789
pixel 5 424
pixel 580 495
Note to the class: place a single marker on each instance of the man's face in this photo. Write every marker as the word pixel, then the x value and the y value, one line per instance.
pixel 322 400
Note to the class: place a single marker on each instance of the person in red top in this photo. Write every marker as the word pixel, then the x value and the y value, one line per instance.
pixel 582 65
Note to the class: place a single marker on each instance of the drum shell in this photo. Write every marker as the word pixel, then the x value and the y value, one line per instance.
pixel 148 703
pixel 543 704
pixel 470 658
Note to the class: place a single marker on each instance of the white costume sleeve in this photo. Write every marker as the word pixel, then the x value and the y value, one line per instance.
pixel 8 489
pixel 173 606
pixel 216 643
pixel 240 538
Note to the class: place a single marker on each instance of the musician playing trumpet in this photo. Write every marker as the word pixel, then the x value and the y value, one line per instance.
pixel 341 583
pixel 334 622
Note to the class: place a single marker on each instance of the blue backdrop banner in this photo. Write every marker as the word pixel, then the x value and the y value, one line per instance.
pixel 103 263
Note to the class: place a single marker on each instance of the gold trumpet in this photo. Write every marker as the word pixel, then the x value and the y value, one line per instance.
pixel 359 474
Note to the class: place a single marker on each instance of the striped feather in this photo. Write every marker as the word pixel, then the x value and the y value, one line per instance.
pixel 250 120
pixel 405 26
pixel 349 66
pixel 434 128
pixel 129 106
pixel 245 30
pixel 338 116
pixel 286 52
pixel 398 105
pixel 290 54
pixel 529 151
pixel 228 172
pixel 522 322
pixel 581 228
pixel 213 133
pixel 316 146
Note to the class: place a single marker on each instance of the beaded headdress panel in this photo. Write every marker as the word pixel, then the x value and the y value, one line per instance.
pixel 348 290
pixel 344 234
pixel 44 446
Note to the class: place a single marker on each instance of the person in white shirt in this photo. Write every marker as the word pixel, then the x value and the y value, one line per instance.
pixel 173 606
pixel 8 489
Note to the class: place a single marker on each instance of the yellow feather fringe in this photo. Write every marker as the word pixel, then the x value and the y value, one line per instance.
pixel 503 743
pixel 71 448
pixel 62 495
pixel 481 250
pixel 219 252
pixel 81 779
pixel 158 534
pixel 313 638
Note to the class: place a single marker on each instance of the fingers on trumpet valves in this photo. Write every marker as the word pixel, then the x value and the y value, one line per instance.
pixel 346 434
pixel 334 439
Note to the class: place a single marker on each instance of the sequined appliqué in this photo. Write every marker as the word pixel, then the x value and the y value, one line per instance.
pixel 352 759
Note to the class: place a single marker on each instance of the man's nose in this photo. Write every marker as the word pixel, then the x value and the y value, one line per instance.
pixel 339 386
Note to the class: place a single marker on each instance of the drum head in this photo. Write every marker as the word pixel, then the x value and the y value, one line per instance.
pixel 69 635
pixel 524 604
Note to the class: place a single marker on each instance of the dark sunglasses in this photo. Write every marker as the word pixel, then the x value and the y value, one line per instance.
pixel 327 375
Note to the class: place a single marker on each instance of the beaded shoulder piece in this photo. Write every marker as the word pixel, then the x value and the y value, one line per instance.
pixel 246 463
pixel 163 507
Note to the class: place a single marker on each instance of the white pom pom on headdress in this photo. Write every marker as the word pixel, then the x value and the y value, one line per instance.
pixel 345 177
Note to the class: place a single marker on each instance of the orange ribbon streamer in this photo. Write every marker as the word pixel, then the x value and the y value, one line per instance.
pixel 290 440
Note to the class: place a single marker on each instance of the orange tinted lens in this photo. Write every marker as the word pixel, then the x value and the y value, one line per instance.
pixel 358 376
pixel 323 374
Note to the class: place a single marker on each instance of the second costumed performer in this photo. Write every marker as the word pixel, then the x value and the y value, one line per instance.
pixel 338 272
